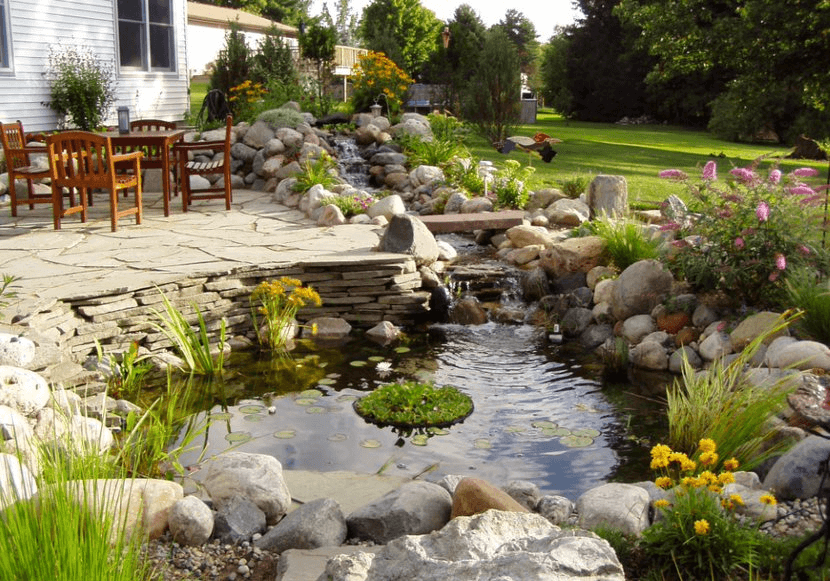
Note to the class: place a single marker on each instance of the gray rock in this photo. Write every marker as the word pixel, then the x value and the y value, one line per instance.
pixel 641 287
pixel 676 359
pixel 468 311
pixel 534 284
pixel 388 158
pixel 523 235
pixel 568 212
pixel 318 523
pixel 328 328
pixel 649 355
pixel 291 138
pixel 408 235
pixel 455 202
pixel 331 216
pixel 796 474
pixel 804 355
pixel 257 477
pixel 524 492
pixel 703 316
pixel 415 508
pixel 446 252
pixel 755 325
pixel 384 332
pixel 621 507
pixel 13 426
pixel 596 335
pixel 242 152
pixel 751 505
pixel 388 207
pixel 15 350
pixel 237 519
pixel 190 521
pixel 425 174
pixel 258 135
pixel 493 546
pixel 16 481
pixel 477 205
pixel 576 321
pixel 608 196
pixel 637 327
pixel 23 390
pixel 715 346
pixel 557 509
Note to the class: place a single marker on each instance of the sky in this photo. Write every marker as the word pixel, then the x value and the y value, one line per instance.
pixel 544 14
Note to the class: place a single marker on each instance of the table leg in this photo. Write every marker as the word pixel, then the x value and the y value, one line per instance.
pixel 165 177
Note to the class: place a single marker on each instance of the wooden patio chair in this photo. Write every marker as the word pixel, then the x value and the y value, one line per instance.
pixel 19 165
pixel 218 164
pixel 83 161
pixel 152 155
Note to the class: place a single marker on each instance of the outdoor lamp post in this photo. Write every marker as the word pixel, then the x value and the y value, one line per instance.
pixel 123 120
pixel 445 36
pixel 376 109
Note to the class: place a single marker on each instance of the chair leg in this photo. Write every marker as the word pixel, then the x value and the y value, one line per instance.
pixel 114 209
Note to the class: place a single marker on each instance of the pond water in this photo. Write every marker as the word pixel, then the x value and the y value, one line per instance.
pixel 539 414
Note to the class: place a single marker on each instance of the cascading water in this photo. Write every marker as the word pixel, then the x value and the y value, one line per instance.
pixel 353 168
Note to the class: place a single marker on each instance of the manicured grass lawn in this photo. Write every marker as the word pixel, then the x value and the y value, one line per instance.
pixel 638 152
pixel 198 90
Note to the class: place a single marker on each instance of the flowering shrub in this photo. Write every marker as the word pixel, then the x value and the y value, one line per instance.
pixel 510 185
pixel 81 86
pixel 750 230
pixel 353 204
pixel 279 301
pixel 377 75
pixel 699 535
pixel 244 99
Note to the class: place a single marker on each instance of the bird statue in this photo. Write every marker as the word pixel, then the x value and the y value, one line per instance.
pixel 539 143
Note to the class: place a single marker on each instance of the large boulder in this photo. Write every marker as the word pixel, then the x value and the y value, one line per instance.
pixel 523 235
pixel 15 350
pixel 257 477
pixel 568 212
pixel 640 287
pixel 408 235
pixel 319 523
pixel 608 196
pixel 494 546
pixel 191 521
pixel 796 474
pixel 23 390
pixel 620 507
pixel 572 255
pixel 754 326
pixel 415 508
pixel 475 496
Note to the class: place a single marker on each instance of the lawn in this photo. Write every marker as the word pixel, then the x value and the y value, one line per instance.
pixel 638 152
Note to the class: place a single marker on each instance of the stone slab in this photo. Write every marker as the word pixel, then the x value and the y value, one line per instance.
pixel 448 223
pixel 308 565
pixel 351 489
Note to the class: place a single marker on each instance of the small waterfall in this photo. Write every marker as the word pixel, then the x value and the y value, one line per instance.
pixel 351 165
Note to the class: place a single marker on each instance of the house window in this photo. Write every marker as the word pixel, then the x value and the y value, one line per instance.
pixel 5 45
pixel 145 34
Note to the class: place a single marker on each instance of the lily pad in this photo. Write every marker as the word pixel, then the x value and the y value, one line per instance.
pixel 370 444
pixel 419 439
pixel 576 441
pixel 327 381
pixel 436 431
pixel 253 417
pixel 514 429
pixel 347 398
pixel 544 424
pixel 220 417
pixel 483 444
pixel 238 437
pixel 358 363
pixel 402 349
pixel 585 432
pixel 377 358
pixel 252 409
pixel 315 409
pixel 285 434
pixel 311 393
pixel 338 437
pixel 556 432
pixel 305 400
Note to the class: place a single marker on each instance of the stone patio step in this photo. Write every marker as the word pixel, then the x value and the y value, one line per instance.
pixel 448 223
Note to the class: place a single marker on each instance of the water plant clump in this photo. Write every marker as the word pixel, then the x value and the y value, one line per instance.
pixel 278 302
pixel 414 405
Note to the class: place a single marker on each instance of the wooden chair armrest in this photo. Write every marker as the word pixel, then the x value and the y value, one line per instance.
pixel 193 145
pixel 26 150
pixel 119 157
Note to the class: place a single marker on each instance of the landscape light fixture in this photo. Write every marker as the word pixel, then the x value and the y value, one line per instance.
pixel 123 119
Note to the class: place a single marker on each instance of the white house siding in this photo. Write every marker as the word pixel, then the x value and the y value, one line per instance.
pixel 35 25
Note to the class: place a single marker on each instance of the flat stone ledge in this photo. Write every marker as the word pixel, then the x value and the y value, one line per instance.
pixel 447 223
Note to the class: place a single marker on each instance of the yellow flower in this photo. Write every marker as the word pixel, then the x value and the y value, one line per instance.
pixel 688 465
pixel 660 451
pixel 708 458
pixel 715 488
pixel 678 457
pixel 702 527
pixel 708 477
pixel 736 498
pixel 726 478
pixel 731 464
pixel 768 499
pixel 664 482
pixel 658 463
pixel 707 445
pixel 662 503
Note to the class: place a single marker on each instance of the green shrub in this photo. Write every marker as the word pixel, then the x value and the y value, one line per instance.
pixel 233 63
pixel 273 61
pixel 626 242
pixel 322 171
pixel 448 128
pixel 352 205
pixel 574 186
pixel 510 185
pixel 82 86
pixel 281 117
pixel 813 298
pixel 438 152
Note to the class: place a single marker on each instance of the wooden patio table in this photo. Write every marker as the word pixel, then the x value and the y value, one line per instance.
pixel 162 139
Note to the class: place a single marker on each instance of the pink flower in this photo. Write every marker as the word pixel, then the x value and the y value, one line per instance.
pixel 669 226
pixel 780 261
pixel 773 276
pixel 775 176
pixel 739 243
pixel 804 172
pixel 710 171
pixel 804 250
pixel 801 190
pixel 673 174
pixel 762 211
pixel 744 175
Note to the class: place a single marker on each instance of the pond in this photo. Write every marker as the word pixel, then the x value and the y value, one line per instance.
pixel 540 413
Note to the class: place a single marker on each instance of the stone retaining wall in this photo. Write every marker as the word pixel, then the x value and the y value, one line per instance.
pixel 362 292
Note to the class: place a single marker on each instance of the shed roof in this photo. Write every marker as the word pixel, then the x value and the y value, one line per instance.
pixel 219 16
